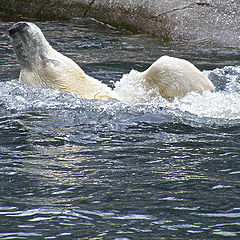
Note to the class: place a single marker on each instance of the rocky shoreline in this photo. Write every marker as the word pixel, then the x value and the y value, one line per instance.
pixel 200 22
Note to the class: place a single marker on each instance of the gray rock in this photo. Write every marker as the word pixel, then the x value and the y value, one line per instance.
pixel 200 22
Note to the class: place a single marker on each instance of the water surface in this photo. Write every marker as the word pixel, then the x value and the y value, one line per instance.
pixel 72 168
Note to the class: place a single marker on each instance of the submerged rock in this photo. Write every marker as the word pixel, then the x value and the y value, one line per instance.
pixel 200 22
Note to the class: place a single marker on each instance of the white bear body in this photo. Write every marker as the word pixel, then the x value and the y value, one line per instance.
pixel 64 74
pixel 41 64
pixel 174 77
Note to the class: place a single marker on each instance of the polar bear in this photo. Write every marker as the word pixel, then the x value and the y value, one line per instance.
pixel 41 64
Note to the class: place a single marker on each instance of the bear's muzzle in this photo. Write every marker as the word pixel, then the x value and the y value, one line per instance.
pixel 18 27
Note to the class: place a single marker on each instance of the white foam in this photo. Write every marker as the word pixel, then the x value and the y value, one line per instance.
pixel 133 89
pixel 214 105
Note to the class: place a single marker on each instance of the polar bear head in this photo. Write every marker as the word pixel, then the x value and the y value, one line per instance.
pixel 29 43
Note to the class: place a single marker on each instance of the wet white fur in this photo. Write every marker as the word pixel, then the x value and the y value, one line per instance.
pixel 175 77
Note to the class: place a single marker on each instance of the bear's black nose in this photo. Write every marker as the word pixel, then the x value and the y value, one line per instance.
pixel 17 27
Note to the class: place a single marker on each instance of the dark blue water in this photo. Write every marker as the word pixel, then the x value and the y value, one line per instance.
pixel 72 168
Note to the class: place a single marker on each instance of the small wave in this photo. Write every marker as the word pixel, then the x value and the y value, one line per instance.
pixel 220 215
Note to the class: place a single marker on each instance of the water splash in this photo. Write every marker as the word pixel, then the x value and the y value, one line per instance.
pixel 223 104
pixel 132 91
